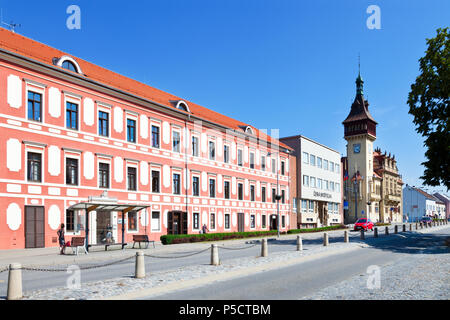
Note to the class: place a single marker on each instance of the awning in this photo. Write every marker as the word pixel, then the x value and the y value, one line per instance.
pixel 102 206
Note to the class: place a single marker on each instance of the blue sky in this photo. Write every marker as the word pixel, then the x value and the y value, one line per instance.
pixel 286 64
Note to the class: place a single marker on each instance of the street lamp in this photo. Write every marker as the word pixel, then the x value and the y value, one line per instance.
pixel 277 196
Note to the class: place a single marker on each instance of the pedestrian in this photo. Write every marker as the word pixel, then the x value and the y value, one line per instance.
pixel 204 228
pixel 62 242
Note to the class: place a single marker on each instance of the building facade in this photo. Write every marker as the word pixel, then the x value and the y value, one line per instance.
pixel 418 203
pixel 111 157
pixel 372 183
pixel 319 182
pixel 446 200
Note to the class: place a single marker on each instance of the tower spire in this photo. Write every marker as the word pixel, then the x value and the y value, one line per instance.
pixel 359 80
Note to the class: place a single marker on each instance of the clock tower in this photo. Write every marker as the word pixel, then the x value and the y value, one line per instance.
pixel 360 133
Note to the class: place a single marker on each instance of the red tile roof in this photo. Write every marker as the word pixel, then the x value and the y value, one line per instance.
pixel 45 54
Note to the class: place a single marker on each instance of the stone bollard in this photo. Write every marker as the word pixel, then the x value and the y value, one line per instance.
pixel 14 282
pixel 386 230
pixel 362 235
pixel 139 265
pixel 299 243
pixel 375 233
pixel 325 239
pixel 421 225
pixel 417 227
pixel 214 255
pixel 264 249
pixel 396 229
pixel 346 239
pixel 410 227
pixel 404 228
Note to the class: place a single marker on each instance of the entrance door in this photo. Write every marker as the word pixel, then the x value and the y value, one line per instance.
pixel 177 222
pixel 241 222
pixel 273 222
pixel 34 227
pixel 104 226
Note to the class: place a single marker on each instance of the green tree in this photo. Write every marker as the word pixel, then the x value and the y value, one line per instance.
pixel 429 104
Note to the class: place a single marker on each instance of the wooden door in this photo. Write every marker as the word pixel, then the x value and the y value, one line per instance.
pixel 34 227
pixel 241 222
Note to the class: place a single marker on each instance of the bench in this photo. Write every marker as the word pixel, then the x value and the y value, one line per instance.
pixel 108 245
pixel 142 238
pixel 77 242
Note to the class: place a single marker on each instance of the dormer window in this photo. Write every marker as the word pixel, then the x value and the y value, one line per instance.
pixel 249 130
pixel 181 105
pixel 68 63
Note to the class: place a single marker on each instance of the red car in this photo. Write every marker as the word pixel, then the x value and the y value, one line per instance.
pixel 363 223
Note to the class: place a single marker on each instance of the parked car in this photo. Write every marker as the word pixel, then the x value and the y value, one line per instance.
pixel 363 223
pixel 426 220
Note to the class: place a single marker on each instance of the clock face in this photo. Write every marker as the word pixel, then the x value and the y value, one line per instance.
pixel 356 148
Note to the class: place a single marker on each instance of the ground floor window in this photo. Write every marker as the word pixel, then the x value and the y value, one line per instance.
pixel 70 220
pixel 283 221
pixel 227 221
pixel 156 221
pixel 252 221
pixel 263 221
pixel 196 221
pixel 132 221
pixel 213 221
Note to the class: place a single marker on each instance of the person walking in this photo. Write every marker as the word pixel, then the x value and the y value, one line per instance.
pixel 204 228
pixel 62 242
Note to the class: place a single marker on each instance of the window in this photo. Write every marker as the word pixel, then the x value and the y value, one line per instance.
pixel 69 66
pixel 311 206
pixel 305 157
pixel 131 178
pixel 131 130
pixel 71 115
pixel 331 166
pixel 155 181
pixel 312 160
pixel 103 123
pixel 34 106
pixel 263 163
pixel 212 150
pixel 274 166
pixel 34 167
pixel 252 193
pixel 312 182
pixel 304 205
pixel 195 146
pixel 319 162
pixel 337 168
pixel 240 163
pixel 282 196
pixel 156 221
pixel 195 186
pixel 263 221
pixel 213 221
pixel 263 194
pixel 212 188
pixel 282 168
pixel 336 207
pixel 330 207
pixel 319 183
pixel 274 195
pixel 196 224
pixel 226 154
pixel 72 171
pixel 227 221
pixel 226 190
pixel 306 181
pixel 252 160
pixel 132 221
pixel 283 221
pixel 325 164
pixel 70 220
pixel 252 221
pixel 176 184
pixel 331 186
pixel 240 191
pixel 325 184
pixel 175 141
pixel 155 137
pixel 103 175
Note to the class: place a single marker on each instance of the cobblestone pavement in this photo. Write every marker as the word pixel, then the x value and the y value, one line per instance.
pixel 420 277
pixel 123 285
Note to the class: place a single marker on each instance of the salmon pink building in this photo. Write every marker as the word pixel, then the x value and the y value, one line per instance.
pixel 111 157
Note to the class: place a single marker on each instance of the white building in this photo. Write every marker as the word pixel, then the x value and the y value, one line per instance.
pixel 417 204
pixel 319 182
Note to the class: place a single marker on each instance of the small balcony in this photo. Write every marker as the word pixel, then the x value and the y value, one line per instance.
pixel 394 197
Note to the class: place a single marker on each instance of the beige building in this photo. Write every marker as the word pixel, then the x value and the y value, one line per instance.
pixel 372 183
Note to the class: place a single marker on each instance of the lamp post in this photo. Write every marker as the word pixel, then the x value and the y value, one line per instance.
pixel 277 196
